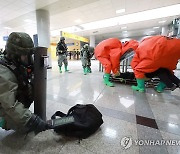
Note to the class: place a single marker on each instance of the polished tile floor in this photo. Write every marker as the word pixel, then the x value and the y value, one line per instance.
pixel 128 117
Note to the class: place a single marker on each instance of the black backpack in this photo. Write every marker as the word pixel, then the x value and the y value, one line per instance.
pixel 87 119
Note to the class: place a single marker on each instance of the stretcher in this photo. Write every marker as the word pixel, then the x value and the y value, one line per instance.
pixel 129 77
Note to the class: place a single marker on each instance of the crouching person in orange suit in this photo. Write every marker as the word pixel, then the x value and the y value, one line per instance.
pixel 109 52
pixel 152 54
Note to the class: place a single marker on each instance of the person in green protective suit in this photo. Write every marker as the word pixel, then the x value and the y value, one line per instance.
pixel 16 86
pixel 86 54
pixel 61 52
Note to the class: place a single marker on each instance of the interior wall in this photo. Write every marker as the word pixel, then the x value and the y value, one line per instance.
pixel 73 45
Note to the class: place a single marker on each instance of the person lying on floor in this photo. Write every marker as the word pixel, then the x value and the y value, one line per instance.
pixel 109 52
pixel 152 54
pixel 167 79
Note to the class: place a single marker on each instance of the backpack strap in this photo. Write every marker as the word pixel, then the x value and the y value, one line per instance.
pixel 59 114
pixel 10 66
pixel 77 106
pixel 74 107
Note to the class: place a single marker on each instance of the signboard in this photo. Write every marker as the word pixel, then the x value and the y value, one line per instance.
pixel 73 36
pixel 35 39
pixel 70 44
pixel 5 38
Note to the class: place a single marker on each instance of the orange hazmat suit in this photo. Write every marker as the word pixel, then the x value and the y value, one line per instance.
pixel 109 52
pixel 155 52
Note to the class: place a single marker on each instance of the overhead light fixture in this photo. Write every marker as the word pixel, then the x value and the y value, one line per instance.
pixel 123 27
pixel 78 21
pixel 135 17
pixel 155 27
pixel 125 31
pixel 131 18
pixel 28 20
pixel 7 28
pixel 120 11
pixel 152 31
pixel 163 21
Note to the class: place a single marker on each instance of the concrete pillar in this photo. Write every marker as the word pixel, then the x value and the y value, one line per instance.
pixel 40 66
pixel 43 28
pixel 165 30
pixel 92 41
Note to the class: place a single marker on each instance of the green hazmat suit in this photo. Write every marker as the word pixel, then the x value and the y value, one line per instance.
pixel 86 54
pixel 14 113
pixel 16 86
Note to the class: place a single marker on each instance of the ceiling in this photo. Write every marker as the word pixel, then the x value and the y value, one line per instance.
pixel 20 15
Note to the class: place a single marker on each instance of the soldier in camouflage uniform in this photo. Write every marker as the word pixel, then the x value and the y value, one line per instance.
pixel 86 54
pixel 16 86
pixel 61 52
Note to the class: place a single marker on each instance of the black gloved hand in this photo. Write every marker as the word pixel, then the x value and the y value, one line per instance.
pixel 37 125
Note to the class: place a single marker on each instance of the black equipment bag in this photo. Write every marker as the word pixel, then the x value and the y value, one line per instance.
pixel 87 119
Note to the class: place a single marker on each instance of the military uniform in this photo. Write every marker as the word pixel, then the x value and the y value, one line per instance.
pixel 9 106
pixel 61 52
pixel 16 86
pixel 86 54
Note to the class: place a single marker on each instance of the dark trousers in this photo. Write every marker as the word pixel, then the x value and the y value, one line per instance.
pixel 165 76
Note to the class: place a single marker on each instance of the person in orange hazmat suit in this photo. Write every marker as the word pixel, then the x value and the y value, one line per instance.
pixel 152 54
pixel 109 52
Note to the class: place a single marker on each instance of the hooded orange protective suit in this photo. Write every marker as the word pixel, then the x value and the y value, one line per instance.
pixel 132 44
pixel 154 53
pixel 109 52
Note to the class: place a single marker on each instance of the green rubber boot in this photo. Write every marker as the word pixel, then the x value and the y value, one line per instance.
pixel 60 71
pixel 89 69
pixel 85 70
pixel 140 85
pixel 66 69
pixel 106 80
pixel 2 122
pixel 160 87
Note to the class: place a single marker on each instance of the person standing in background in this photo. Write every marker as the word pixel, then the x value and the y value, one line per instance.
pixel 61 52
pixel 86 54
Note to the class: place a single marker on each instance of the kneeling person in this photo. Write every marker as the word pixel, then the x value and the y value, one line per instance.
pixel 16 86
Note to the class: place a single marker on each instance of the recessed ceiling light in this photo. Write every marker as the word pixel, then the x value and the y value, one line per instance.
pixel 7 28
pixel 155 27
pixel 123 27
pixel 28 20
pixel 163 21
pixel 160 13
pixel 120 11
pixel 134 17
pixel 78 21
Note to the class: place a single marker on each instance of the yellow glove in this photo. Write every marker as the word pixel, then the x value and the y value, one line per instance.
pixel 117 74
